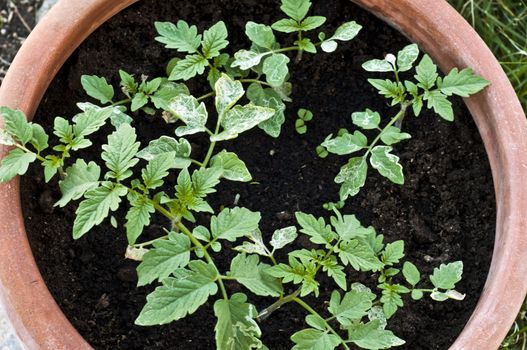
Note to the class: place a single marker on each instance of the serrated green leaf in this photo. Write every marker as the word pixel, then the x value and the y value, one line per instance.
pixel 167 92
pixel 91 120
pixel 139 101
pixel 228 92
pixel 296 9
pixel 389 89
pixel 96 207
pixel 359 255
pixel 119 153
pixel 335 271
pixel 189 67
pixel 377 65
pixel 393 253
pixel 373 337
pixel 316 322
pixel 260 34
pixel 180 36
pixel 271 99
pixel 426 73
pixel 16 124
pixel 39 139
pixel 353 306
pixel 391 302
pixel 232 167
pixel 240 119
pixel 314 339
pixel 441 105
pixel 352 177
pixel 462 83
pixel 298 273
pixel 393 135
pixel 283 237
pixel 446 276
pixel 179 297
pixel 312 22
pixel 166 256
pixel 215 40
pixel 286 25
pixel 346 144
pixel 193 113
pixel 256 246
pixel 349 227
pixel 406 57
pixel 128 82
pixel 306 45
pixel 204 180
pixel 15 163
pixel 275 69
pixel 316 229
pixel 179 149
pixel 231 224
pixel 236 328
pixel 367 120
pixel 98 88
pixel 411 273
pixel 138 216
pixel 80 177
pixel 252 274
pixel 157 169
pixel 387 164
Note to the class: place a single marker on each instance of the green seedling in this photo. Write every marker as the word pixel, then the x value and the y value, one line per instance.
pixel 304 116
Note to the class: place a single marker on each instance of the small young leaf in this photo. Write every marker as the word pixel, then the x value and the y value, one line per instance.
pixel 215 40
pixel 393 135
pixel 228 92
pixel 314 339
pixel 296 9
pixel 306 45
pixel 91 120
pixel 193 113
pixel 275 69
pixel 462 83
pixel 16 125
pixel 346 143
pixel 441 105
pixel 446 276
pixel 168 145
pixel 393 253
pixel 240 119
pixel 231 224
pixel 377 65
pixel 167 92
pixel 96 207
pixel 411 273
pixel 406 57
pixel 286 25
pixel 119 153
pixel 345 32
pixel 39 140
pixel 367 120
pixel 316 229
pixel 138 216
pixel 189 67
pixel 426 73
pixel 179 297
pixel 283 237
pixel 157 169
pixel 180 36
pixel 15 163
pixel 256 246
pixel 231 166
pixel 80 177
pixel 374 337
pixel 271 99
pixel 252 274
pixel 389 89
pixel 260 34
pixel 98 88
pixel 128 82
pixel 348 227
pixel 353 306
pixel 387 164
pixel 352 176
pixel 166 256
pixel 312 22
pixel 316 322
pixel 359 255
pixel 139 101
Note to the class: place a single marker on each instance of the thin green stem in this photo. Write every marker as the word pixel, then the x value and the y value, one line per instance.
pixel 144 244
pixel 265 313
pixel 255 81
pixel 122 102
pixel 196 162
pixel 23 148
pixel 204 97
pixel 313 312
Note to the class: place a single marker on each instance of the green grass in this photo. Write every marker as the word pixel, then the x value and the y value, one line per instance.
pixel 503 26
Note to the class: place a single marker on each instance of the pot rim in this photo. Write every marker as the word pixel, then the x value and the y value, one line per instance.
pixel 497 112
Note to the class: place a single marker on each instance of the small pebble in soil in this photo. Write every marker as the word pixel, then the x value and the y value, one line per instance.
pixel 103 303
pixel 127 274
pixel 283 216
pixel 46 202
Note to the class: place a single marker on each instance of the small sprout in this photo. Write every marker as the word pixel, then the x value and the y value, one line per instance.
pixel 322 152
pixel 304 116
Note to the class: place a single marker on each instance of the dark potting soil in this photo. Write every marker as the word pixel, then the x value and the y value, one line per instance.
pixel 444 212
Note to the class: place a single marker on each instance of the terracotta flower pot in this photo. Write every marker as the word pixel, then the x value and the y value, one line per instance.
pixel 433 24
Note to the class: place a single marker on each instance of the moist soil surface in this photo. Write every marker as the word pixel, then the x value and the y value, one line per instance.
pixel 444 212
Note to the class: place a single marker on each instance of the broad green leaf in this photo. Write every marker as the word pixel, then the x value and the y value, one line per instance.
pixel 373 337
pixel 179 297
pixel 139 101
pixel 426 73
pixel 246 59
pixel 168 145
pixel 393 253
pixel 387 164
pixel 80 177
pixel 367 120
pixel 157 169
pixel 204 180
pixel 316 322
pixel 345 32
pixel 240 119
pixel 231 224
pixel 39 140
pixel 15 163
pixel 98 88
pixel 252 274
pixel 119 153
pixel 314 339
pixel 393 135
pixel 138 216
pixel 296 9
pixel 446 276
pixel 231 166
pixel 348 227
pixel 255 246
pixel 352 177
pixel 316 229
pixel 389 89
pixel 462 83
pixel 128 82
pixel 166 256
pixel 96 207
pixel 189 67
pixel 275 69
pixel 180 36
pixel 191 112
pixel 91 120
pixel 236 328
pixel 346 144
pixel 377 65
pixel 312 22
pixel 353 306
pixel 406 57
pixel 215 40
pixel 283 237
pixel 16 125
pixel 260 34
pixel 271 99
pixel 298 273
pixel 286 25
pixel 228 92
pixel 441 105
pixel 167 92
pixel 411 273
pixel 359 255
